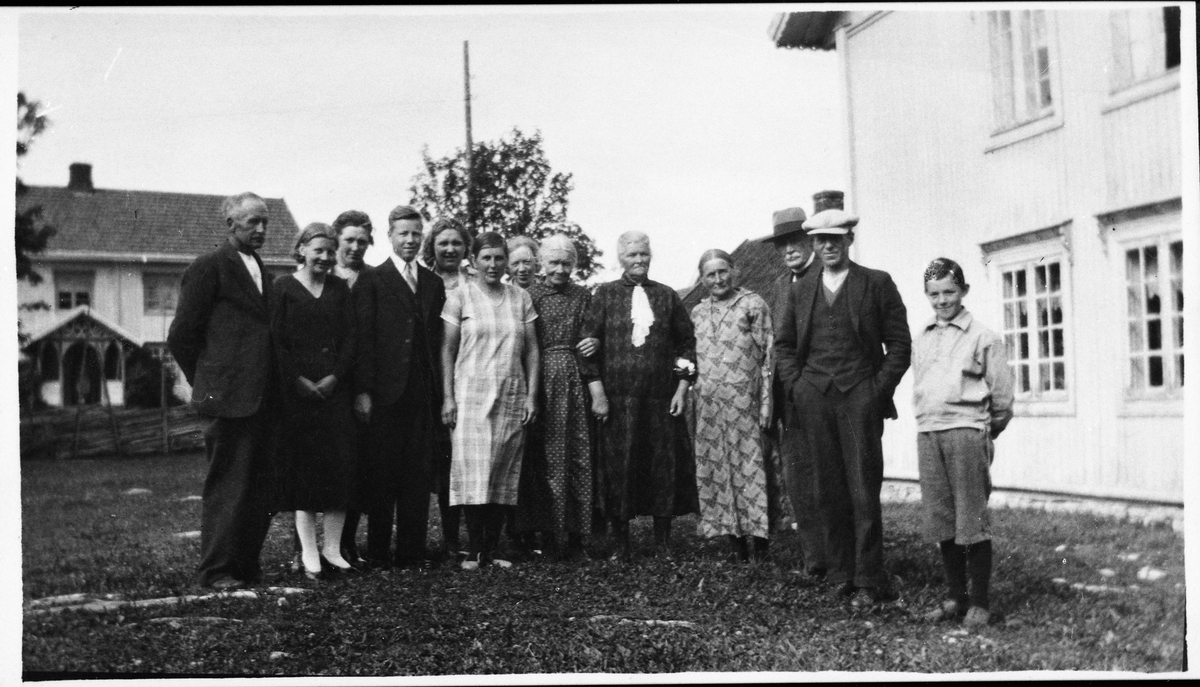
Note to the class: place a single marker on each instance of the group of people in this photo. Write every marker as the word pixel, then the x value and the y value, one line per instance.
pixel 475 368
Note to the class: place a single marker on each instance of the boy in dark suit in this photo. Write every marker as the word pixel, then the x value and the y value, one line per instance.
pixel 843 345
pixel 399 307
pixel 220 338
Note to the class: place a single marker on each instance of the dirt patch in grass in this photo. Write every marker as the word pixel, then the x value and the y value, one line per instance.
pixel 83 533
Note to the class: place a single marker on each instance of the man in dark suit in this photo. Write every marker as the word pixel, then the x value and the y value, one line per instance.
pixel 842 345
pixel 399 308
pixel 795 251
pixel 220 338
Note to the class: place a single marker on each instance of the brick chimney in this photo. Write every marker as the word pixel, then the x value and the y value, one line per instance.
pixel 81 178
pixel 826 200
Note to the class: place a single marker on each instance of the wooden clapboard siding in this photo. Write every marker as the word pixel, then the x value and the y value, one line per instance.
pixel 1142 163
pixel 929 180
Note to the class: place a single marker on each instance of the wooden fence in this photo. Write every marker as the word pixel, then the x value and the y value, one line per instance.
pixel 92 431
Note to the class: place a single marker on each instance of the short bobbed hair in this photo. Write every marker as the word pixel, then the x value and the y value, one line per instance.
pixel 441 225
pixel 488 239
pixel 354 218
pixel 315 230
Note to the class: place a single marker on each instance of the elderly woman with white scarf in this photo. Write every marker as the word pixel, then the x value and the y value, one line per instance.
pixel 640 339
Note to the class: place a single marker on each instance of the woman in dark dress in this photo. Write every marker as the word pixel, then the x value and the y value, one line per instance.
pixel 556 475
pixel 640 336
pixel 313 327
pixel 444 250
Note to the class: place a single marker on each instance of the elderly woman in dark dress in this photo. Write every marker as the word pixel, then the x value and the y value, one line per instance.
pixel 645 352
pixel 312 324
pixel 556 475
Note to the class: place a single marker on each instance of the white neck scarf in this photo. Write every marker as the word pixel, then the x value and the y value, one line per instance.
pixel 642 316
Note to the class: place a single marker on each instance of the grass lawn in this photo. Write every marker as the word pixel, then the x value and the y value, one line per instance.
pixel 83 533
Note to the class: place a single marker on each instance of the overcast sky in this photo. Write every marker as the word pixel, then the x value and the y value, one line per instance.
pixel 686 124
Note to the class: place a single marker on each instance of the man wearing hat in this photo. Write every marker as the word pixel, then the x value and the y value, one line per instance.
pixel 795 250
pixel 842 345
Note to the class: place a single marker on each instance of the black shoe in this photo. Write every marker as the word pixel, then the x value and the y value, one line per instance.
pixel 843 592
pixel 334 571
pixel 873 596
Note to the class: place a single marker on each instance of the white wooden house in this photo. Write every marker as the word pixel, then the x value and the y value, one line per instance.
pixel 110 278
pixel 1041 150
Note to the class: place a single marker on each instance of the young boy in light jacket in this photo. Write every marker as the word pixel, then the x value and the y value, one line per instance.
pixel 963 395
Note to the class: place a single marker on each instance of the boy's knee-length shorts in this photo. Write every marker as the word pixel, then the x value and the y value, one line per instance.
pixel 955 484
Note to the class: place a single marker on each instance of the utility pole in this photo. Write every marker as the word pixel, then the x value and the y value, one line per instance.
pixel 470 145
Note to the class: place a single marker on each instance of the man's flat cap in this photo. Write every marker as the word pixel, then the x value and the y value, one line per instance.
pixel 832 221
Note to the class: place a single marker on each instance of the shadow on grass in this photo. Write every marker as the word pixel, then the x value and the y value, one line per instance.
pixel 83 533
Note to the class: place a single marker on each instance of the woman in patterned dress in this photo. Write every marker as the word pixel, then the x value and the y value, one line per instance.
pixel 444 251
pixel 556 478
pixel 312 324
pixel 490 379
pixel 733 408
pixel 644 350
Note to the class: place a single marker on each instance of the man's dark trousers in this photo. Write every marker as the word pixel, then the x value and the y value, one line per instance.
pixel 235 515
pixel 800 475
pixel 402 432
pixel 843 432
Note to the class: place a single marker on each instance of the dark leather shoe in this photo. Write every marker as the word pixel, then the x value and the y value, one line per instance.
pixel 873 596
pixel 842 592
pixel 228 584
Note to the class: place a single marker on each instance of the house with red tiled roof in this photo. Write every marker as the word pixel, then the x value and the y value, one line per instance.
pixel 116 261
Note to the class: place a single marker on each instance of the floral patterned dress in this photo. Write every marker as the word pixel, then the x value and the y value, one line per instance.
pixel 644 464
pixel 556 477
pixel 740 489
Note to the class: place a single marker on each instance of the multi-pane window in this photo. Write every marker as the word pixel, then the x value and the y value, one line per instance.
pixel 160 293
pixel 73 289
pixel 1021 75
pixel 1035 328
pixel 1154 296
pixel 1145 43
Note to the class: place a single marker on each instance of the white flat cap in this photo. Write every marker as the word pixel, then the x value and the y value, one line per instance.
pixel 831 221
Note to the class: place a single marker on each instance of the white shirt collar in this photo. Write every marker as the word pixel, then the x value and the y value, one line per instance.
pixel 252 268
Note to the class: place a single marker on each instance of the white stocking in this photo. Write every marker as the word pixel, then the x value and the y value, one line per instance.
pixel 306 527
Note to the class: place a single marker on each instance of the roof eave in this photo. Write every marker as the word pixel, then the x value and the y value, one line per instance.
pixel 144 258
pixel 81 311
pixel 814 30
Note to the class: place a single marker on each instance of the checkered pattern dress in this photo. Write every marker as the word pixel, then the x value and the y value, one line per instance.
pixel 740 488
pixel 489 389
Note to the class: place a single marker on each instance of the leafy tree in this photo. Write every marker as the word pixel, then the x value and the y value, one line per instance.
pixel 515 192
pixel 30 230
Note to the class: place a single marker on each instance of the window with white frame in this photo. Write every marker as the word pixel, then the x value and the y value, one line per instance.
pixel 1145 44
pixel 1033 295
pixel 160 293
pixel 73 289
pixel 1022 87
pixel 1154 307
